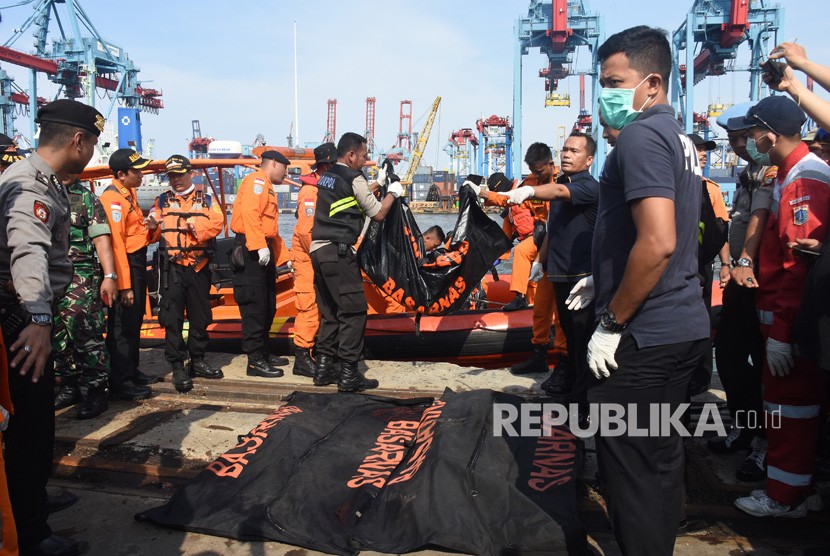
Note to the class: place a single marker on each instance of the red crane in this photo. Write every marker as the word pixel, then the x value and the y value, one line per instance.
pixel 405 139
pixel 370 125
pixel 331 121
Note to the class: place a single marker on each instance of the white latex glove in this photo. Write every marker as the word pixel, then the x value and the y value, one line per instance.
pixel 581 294
pixel 290 265
pixel 476 188
pixel 395 188
pixel 382 176
pixel 536 272
pixel 5 424
pixel 264 256
pixel 519 195
pixel 602 352
pixel 779 357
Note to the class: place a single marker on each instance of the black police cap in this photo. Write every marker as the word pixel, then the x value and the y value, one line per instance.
pixel 275 155
pixel 71 112
pixel 327 152
pixel 124 159
pixel 177 164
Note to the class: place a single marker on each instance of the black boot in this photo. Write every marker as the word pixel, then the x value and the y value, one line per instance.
pixel 557 383
pixel 352 381
pixel 303 363
pixel 181 378
pixel 97 402
pixel 326 371
pixel 537 363
pixel 129 391
pixel 519 302
pixel 258 366
pixel 275 360
pixel 199 367
pixel 69 394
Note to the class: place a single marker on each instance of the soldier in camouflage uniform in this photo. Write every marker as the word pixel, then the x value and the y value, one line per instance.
pixel 81 355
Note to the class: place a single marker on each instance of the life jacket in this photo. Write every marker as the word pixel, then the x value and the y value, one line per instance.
pixel 338 217
pixel 176 244
pixel 522 219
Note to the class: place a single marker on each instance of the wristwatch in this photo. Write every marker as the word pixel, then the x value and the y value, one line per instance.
pixel 111 276
pixel 42 319
pixel 608 321
pixel 744 262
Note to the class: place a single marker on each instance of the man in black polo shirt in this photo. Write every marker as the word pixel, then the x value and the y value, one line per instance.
pixel 571 220
pixel 652 320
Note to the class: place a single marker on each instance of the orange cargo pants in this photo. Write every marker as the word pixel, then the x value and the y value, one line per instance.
pixel 308 319
pixel 545 313
pixel 523 255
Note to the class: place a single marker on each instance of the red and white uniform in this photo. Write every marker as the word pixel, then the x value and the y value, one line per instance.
pixel 800 209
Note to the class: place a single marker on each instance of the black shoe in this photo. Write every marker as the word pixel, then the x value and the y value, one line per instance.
pixel 200 368
pixel 275 360
pixel 95 404
pixel 557 383
pixel 754 467
pixel 181 378
pixel 326 371
pixel 55 545
pixel 69 394
pixel 352 381
pixel 519 302
pixel 303 363
pixel 537 363
pixel 129 392
pixel 736 439
pixel 259 366
pixel 58 502
pixel 140 379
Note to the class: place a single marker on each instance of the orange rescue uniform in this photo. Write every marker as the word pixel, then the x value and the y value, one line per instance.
pixel 256 214
pixel 129 232
pixel 308 319
pixel 173 212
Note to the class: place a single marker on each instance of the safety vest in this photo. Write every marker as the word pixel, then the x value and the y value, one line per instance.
pixel 338 217
pixel 176 243
pixel 522 219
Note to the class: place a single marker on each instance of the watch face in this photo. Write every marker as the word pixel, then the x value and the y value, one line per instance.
pixel 43 319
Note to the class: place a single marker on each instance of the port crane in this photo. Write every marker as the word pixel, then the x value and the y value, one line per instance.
pixel 421 144
pixel 79 62
pixel 557 28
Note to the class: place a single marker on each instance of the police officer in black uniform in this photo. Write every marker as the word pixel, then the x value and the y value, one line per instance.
pixel 34 271
pixel 344 199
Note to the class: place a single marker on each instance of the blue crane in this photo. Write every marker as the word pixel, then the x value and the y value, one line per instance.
pixel 556 28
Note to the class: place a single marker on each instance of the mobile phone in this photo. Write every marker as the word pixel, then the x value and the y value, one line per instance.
pixel 806 251
pixel 775 70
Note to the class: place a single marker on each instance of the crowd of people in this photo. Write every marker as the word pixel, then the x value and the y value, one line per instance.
pixel 622 265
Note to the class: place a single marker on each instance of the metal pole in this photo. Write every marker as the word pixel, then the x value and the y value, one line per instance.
pixel 296 97
pixel 689 116
pixel 33 106
pixel 517 101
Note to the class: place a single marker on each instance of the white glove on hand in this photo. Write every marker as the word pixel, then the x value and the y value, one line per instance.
pixel 264 256
pixel 395 188
pixel 581 295
pixel 382 175
pixel 779 357
pixel 536 272
pixel 5 424
pixel 519 195
pixel 476 188
pixel 602 350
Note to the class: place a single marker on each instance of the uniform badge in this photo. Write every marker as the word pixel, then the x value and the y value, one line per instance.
pixel 801 214
pixel 309 211
pixel 258 189
pixel 42 212
pixel 216 209
pixel 116 216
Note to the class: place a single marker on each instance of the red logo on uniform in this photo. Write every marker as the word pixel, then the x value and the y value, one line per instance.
pixel 42 212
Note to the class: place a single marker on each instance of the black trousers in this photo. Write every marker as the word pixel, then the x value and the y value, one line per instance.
pixel 739 352
pixel 341 302
pixel 255 292
pixel 578 327
pixel 29 440
pixel 124 323
pixel 184 289
pixel 642 476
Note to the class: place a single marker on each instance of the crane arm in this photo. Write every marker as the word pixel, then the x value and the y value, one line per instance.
pixel 421 146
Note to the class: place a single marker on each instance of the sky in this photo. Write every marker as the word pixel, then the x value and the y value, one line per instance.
pixel 231 65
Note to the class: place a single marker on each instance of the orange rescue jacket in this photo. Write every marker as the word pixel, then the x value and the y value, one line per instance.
pixel 129 232
pixel 521 219
pixel 306 203
pixel 255 214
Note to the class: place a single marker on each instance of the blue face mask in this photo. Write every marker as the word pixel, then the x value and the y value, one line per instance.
pixel 755 155
pixel 617 106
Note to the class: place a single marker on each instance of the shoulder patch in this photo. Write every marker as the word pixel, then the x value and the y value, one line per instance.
pixel 216 209
pixel 257 188
pixel 801 214
pixel 260 181
pixel 309 211
pixel 42 212
pixel 116 216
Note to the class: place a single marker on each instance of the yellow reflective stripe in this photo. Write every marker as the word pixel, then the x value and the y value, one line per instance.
pixel 340 206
